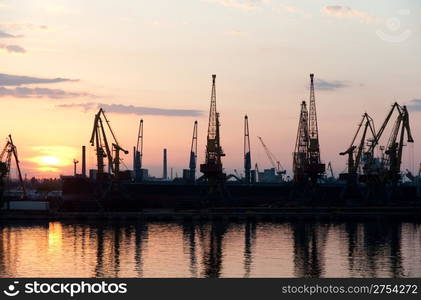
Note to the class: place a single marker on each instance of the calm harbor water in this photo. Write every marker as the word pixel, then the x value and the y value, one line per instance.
pixel 295 248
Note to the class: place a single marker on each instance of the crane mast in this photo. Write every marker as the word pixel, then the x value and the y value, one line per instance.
pixel 300 157
pixel 247 153
pixel 193 153
pixel 139 148
pixel 212 168
pixel 315 167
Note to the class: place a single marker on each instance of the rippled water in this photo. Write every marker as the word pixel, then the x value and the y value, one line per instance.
pixel 379 248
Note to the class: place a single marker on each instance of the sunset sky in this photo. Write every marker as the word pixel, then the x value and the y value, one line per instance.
pixel 62 60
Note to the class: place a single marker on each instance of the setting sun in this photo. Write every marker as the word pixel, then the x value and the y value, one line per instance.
pixel 49 160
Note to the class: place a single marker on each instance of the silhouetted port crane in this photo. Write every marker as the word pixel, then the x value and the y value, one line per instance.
pixel 212 168
pixel 272 159
pixel 355 152
pixel 8 151
pixel 138 151
pixel 103 150
pixel 307 163
pixel 247 153
pixel 387 169
pixel 300 158
pixel 193 154
pixel 315 167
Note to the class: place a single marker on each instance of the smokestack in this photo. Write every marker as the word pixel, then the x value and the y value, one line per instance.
pixel 84 161
pixel 134 158
pixel 164 173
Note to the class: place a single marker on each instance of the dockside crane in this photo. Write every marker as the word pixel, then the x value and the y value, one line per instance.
pixel 247 152
pixel 356 152
pixel 212 168
pixel 300 157
pixel 103 150
pixel 138 151
pixel 315 168
pixel 8 151
pixel 272 159
pixel 193 153
pixel 390 164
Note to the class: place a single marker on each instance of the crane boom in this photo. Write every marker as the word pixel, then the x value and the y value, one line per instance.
pixel 103 149
pixel 272 159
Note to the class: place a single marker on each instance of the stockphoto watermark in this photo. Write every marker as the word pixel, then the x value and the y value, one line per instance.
pixel 64 288
pixel 392 30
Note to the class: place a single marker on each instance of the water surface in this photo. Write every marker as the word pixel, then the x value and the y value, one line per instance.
pixel 376 248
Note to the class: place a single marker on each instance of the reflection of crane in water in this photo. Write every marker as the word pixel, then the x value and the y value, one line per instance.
pixel 309 247
pixel 211 240
pixel 249 241
pixel 141 237
pixel 189 241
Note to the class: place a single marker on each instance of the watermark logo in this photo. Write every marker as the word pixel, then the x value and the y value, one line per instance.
pixel 11 290
pixel 394 31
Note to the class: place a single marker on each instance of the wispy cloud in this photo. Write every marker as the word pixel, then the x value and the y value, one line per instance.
pixel 414 104
pixel 347 12
pixel 4 34
pixel 135 110
pixel 326 85
pixel 241 4
pixel 12 48
pixel 37 92
pixel 234 33
pixel 22 26
pixel 15 80
pixel 291 10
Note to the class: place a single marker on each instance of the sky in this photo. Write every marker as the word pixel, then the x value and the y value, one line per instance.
pixel 62 60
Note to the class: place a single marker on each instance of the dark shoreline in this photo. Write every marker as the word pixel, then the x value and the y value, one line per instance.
pixel 337 213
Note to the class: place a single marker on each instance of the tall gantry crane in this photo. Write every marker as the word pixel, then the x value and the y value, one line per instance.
pixel 315 167
pixel 193 153
pixel 8 151
pixel 356 152
pixel 272 159
pixel 300 157
pixel 103 150
pixel 138 151
pixel 212 168
pixel 247 153
pixel 390 165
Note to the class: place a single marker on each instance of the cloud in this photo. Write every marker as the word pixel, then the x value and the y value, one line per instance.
pixel 241 4
pixel 12 48
pixel 325 85
pixel 135 110
pixel 22 26
pixel 234 33
pixel 36 92
pixel 414 104
pixel 15 80
pixel 347 12
pixel 6 35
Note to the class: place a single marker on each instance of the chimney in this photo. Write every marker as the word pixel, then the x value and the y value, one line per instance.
pixel 164 173
pixel 134 159
pixel 84 161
